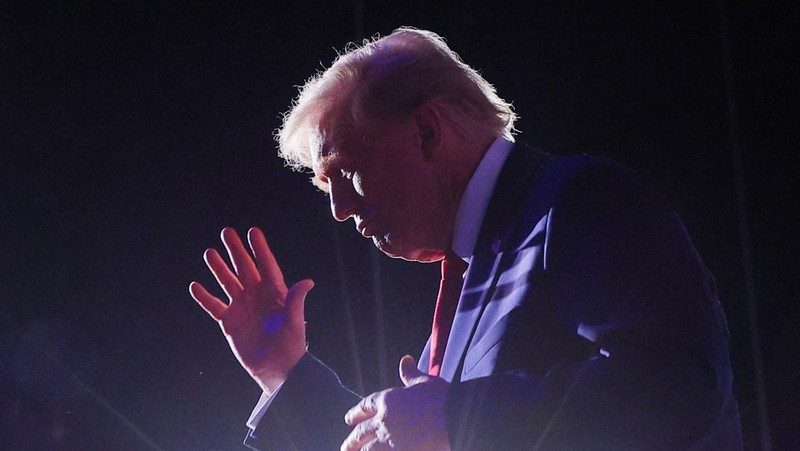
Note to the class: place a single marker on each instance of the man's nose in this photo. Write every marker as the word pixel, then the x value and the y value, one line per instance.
pixel 344 200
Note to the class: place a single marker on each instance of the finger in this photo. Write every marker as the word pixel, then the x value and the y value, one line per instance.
pixel 267 265
pixel 210 303
pixel 225 277
pixel 296 300
pixel 365 409
pixel 362 434
pixel 409 373
pixel 242 261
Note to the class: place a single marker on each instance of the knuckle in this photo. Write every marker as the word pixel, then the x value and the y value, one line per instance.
pixel 369 403
pixel 362 431
pixel 382 432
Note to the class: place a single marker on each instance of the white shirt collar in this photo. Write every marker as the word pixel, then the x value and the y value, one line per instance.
pixel 475 200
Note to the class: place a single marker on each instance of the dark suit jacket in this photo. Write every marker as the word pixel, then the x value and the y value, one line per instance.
pixel 587 321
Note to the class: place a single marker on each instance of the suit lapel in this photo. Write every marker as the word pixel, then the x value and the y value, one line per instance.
pixel 478 286
pixel 490 254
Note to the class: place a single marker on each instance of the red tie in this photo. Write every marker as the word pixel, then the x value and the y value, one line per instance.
pixel 453 268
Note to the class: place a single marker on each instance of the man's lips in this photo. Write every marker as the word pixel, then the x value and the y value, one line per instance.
pixel 363 227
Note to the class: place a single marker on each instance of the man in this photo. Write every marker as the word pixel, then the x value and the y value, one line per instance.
pixel 586 319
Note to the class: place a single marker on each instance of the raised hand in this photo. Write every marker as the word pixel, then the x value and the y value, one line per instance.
pixel 405 418
pixel 263 320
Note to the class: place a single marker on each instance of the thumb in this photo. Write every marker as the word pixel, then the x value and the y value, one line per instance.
pixel 296 298
pixel 409 373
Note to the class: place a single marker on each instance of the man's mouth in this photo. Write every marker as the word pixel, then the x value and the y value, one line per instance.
pixel 364 228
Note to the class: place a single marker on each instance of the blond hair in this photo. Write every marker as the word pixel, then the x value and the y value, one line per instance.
pixel 388 78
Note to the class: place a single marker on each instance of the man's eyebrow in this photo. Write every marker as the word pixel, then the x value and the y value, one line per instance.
pixel 326 166
pixel 332 161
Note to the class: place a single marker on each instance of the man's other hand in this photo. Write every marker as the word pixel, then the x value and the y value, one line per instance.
pixel 405 418
pixel 263 320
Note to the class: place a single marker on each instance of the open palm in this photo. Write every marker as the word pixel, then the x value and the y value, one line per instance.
pixel 263 320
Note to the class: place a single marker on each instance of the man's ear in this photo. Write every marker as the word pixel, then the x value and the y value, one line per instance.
pixel 429 128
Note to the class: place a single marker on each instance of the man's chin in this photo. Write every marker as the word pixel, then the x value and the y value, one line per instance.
pixel 391 247
pixel 385 246
pixel 393 250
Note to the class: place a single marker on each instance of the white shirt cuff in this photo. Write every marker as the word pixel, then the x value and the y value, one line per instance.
pixel 261 407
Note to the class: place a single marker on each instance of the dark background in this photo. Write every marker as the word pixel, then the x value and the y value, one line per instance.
pixel 132 132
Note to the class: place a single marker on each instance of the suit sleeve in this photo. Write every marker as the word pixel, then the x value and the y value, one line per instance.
pixel 307 413
pixel 620 343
